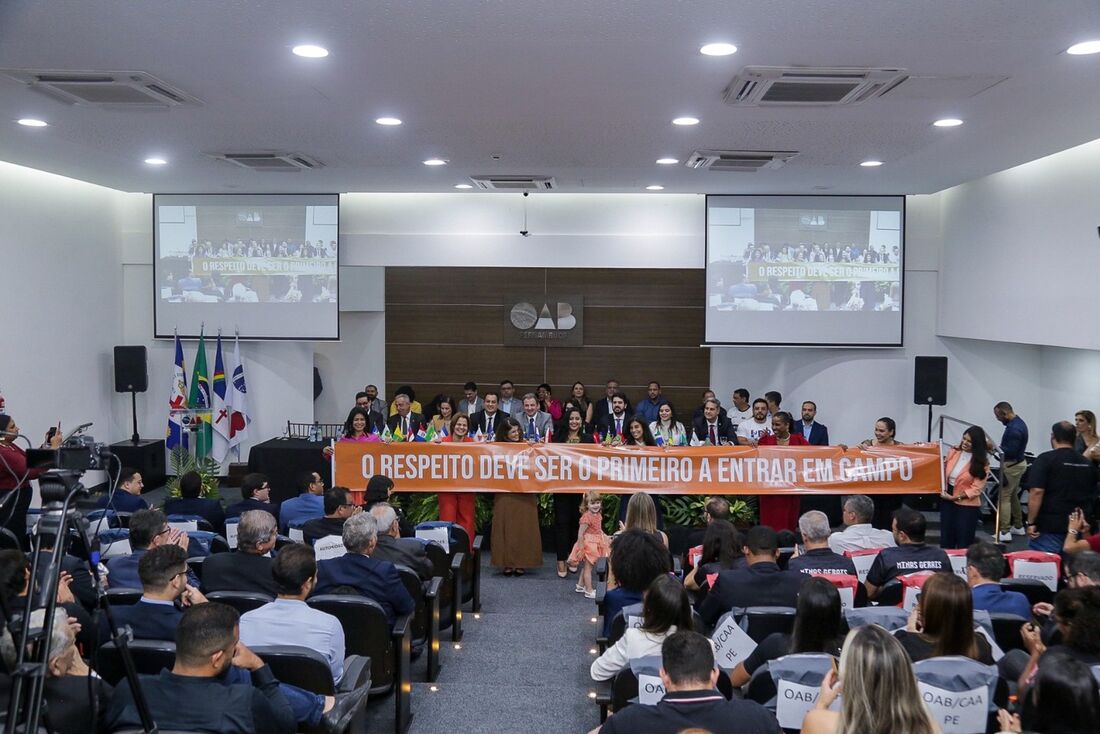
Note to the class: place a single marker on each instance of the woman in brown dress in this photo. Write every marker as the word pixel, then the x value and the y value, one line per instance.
pixel 516 542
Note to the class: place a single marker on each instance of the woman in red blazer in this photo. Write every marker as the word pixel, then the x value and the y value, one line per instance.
pixel 964 471
pixel 780 513
pixel 458 507
pixel 16 477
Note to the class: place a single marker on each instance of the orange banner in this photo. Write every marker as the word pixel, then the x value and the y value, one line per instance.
pixel 505 467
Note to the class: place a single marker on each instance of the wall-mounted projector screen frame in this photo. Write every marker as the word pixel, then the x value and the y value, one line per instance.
pixel 796 271
pixel 249 265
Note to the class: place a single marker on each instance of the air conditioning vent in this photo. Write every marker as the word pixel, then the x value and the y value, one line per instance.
pixel 133 89
pixel 805 86
pixel 739 161
pixel 270 162
pixel 514 183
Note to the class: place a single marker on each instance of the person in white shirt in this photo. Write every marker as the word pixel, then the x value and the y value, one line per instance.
pixel 665 608
pixel 750 431
pixel 858 533
pixel 741 410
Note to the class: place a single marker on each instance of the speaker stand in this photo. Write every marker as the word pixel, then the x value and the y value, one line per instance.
pixel 929 423
pixel 136 438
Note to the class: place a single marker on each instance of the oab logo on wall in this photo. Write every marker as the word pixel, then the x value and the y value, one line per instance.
pixel 544 321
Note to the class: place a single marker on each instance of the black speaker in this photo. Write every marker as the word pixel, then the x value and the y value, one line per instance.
pixel 131 370
pixel 930 381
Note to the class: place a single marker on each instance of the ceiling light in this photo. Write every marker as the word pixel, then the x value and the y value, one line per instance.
pixel 463 186
pixel 667 161
pixel 435 162
pixel 686 121
pixel 310 52
pixel 948 122
pixel 871 163
pixel 32 122
pixel 655 187
pixel 156 161
pixel 1084 48
pixel 388 121
pixel 718 49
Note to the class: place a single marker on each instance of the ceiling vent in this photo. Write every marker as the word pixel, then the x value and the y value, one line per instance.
pixel 270 162
pixel 132 89
pixel 514 183
pixel 739 161
pixel 777 85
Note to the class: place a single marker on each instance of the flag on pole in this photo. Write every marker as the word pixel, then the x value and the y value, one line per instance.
pixel 397 434
pixel 177 400
pixel 386 435
pixel 239 419
pixel 199 399
pixel 427 435
pixel 420 435
pixel 221 408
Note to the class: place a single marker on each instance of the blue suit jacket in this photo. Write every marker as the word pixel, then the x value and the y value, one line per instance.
pixel 994 598
pixel 208 509
pixel 123 502
pixel 148 621
pixel 819 434
pixel 122 571
pixel 373 578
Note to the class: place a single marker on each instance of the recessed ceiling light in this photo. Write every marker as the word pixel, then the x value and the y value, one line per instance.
pixel 655 187
pixel 948 122
pixel 463 186
pixel 667 161
pixel 686 121
pixel 718 49
pixel 435 162
pixel 871 164
pixel 32 122
pixel 1084 48
pixel 389 121
pixel 309 51
pixel 156 161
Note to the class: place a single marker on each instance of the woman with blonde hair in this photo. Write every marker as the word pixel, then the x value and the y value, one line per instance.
pixel 641 513
pixel 878 688
pixel 1088 442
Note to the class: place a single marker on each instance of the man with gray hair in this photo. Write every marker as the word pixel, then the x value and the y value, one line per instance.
pixel 537 424
pixel 371 577
pixel 395 549
pixel 858 533
pixel 815 557
pixel 249 569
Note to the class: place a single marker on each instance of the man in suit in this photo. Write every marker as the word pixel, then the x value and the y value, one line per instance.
pixel 537 424
pixel 814 433
pixel 148 529
pixel 249 569
pixel 163 573
pixel 191 503
pixel 713 428
pixel 395 549
pixel 471 403
pixel 984 568
pixel 760 582
pixel 489 417
pixel 255 495
pixel 127 498
pixel 603 408
pixel 509 404
pixel 375 414
pixel 338 508
pixel 371 577
pixel 613 423
pixel 409 422
pixel 374 403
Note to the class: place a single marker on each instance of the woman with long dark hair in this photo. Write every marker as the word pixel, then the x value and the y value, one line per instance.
pixel 1062 700
pixel 636 433
pixel 570 429
pixel 943 623
pixel 356 428
pixel 516 543
pixel 665 610
pixel 722 550
pixel 965 471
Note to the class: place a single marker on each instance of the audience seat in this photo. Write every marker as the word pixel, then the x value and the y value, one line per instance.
pixel 863 560
pixel 471 565
pixel 939 677
pixel 424 627
pixel 806 669
pixel 8 541
pixel 1006 630
pixel 1035 591
pixel 759 622
pixel 242 601
pixel 183 522
pixel 195 565
pixel 149 656
pixel 120 597
pixel 298 666
pixel 449 568
pixel 890 618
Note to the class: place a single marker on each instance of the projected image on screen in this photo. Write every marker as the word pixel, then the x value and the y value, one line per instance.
pixel 804 270
pixel 266 265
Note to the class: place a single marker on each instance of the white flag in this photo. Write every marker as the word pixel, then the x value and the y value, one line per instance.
pixel 236 399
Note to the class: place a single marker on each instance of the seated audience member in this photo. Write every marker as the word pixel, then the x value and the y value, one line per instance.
pixel 911 555
pixel 723 549
pixel 69 684
pixel 751 431
pixel 191 503
pixel 1062 699
pixel 290 618
pixel 15 586
pixel 148 529
pixel 371 577
pixel 711 428
pixel 665 609
pixel 127 497
pixel 760 583
pixel 192 696
pixel 1079 536
pixel 380 489
pixel 817 557
pixel 984 568
pixel 163 572
pixel 691 701
pixel 249 569
pixel 255 495
pixel 1077 615
pixel 943 623
pixel 82 584
pixel 879 686
pixel 816 629
pixel 309 503
pixel 338 508
pixel 395 549
pixel 716 508
pixel 858 534
pixel 637 557
pixel 641 512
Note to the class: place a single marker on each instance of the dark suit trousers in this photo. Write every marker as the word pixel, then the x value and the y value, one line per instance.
pixel 566 514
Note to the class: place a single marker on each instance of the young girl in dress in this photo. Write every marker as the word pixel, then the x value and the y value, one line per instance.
pixel 591 542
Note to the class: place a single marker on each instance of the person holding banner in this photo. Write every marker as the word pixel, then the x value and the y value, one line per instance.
pixel 885 504
pixel 355 429
pixel 670 430
pixel 965 471
pixel 781 513
pixel 567 505
pixel 458 507
pixel 516 542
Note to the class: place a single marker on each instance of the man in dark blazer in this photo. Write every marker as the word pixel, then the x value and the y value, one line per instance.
pixel 409 422
pixel 603 407
pixel 713 428
pixel 371 577
pixel 395 549
pixel 377 420
pixel 489 417
pixel 148 529
pixel 163 573
pixel 760 582
pixel 249 569
pixel 613 423
pixel 814 433
pixel 190 503
pixel 255 495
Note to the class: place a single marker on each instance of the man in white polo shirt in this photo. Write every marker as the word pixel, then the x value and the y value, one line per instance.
pixel 858 533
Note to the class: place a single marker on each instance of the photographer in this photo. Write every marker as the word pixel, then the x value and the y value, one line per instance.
pixel 15 477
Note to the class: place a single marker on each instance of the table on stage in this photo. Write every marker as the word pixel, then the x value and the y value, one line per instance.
pixel 283 459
